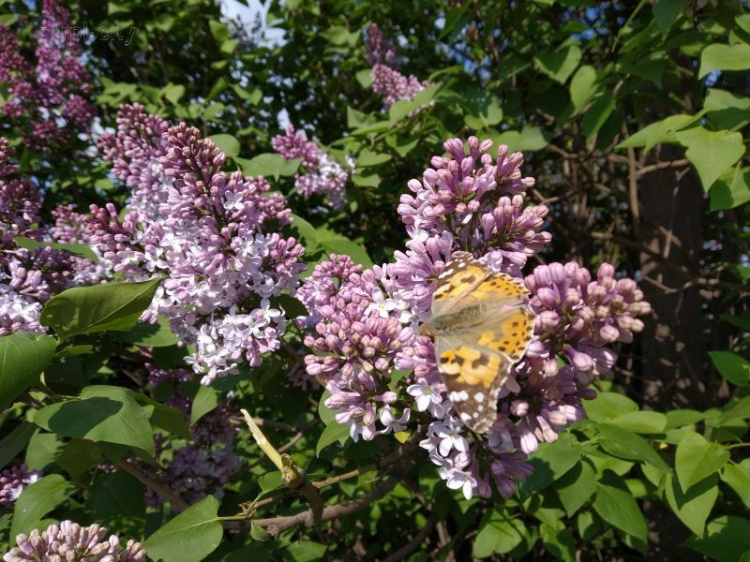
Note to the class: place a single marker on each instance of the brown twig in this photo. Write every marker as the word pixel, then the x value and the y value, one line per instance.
pixel 177 503
pixel 276 525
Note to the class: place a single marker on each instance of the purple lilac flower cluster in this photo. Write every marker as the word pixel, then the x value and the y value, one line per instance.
pixel 204 465
pixel 356 339
pixel 379 49
pixel 70 541
pixel 213 236
pixel 12 482
pixel 29 277
pixel 50 97
pixel 321 173
pixel 466 201
pixel 386 78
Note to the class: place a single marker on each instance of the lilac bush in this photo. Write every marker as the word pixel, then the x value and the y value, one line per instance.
pixel 29 277
pixel 363 325
pixel 49 96
pixel 213 235
pixel 321 173
pixel 387 81
pixel 71 542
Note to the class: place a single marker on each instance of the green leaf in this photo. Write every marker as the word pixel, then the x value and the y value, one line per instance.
pixel 269 165
pixel 44 449
pixel 588 525
pixel 498 533
pixel 270 481
pixel 642 421
pixel 739 409
pixel 23 358
pixel 292 307
pixel 561 63
pixel 192 535
pixel 116 495
pixel 737 477
pixel 401 109
pixel 340 245
pixel 558 542
pixel 305 551
pixel 732 367
pixel 488 114
pixel 582 87
pixel 340 35
pixel 228 144
pixel 624 444
pixel 78 250
pixel 693 507
pixel 681 418
pixel 551 461
pixel 597 115
pixel 37 500
pixel 306 231
pixel 356 118
pixel 326 416
pixel 608 405
pixel 98 308
pixel 614 503
pixel 530 138
pixel 174 92
pixel 727 110
pixel 165 417
pixel 666 13
pixel 100 413
pixel 206 400
pixel 659 132
pixel 372 180
pixel 144 334
pixel 697 459
pixel 15 442
pixel 369 158
pixel 712 153
pixel 724 57
pixel 576 487
pixel 727 539
pixel 364 77
pixel 254 96
pixel 731 190
pixel 219 31
pixel 333 432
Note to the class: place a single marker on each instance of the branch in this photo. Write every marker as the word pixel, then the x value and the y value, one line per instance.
pixel 276 525
pixel 164 492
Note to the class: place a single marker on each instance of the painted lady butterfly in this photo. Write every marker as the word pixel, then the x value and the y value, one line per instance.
pixel 481 324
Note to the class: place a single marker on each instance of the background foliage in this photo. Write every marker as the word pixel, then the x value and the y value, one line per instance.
pixel 633 117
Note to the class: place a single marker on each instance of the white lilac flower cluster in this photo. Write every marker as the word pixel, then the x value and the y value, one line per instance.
pixel 212 235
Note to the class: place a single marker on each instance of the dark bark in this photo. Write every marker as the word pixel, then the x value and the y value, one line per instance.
pixel 672 208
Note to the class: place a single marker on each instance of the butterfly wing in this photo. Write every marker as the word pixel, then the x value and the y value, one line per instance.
pixel 461 276
pixel 476 353
pixel 473 376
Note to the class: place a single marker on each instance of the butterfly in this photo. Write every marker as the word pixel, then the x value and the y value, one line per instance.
pixel 481 325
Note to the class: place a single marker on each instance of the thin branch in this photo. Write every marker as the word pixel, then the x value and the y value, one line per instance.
pixel 177 503
pixel 662 166
pixel 276 525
